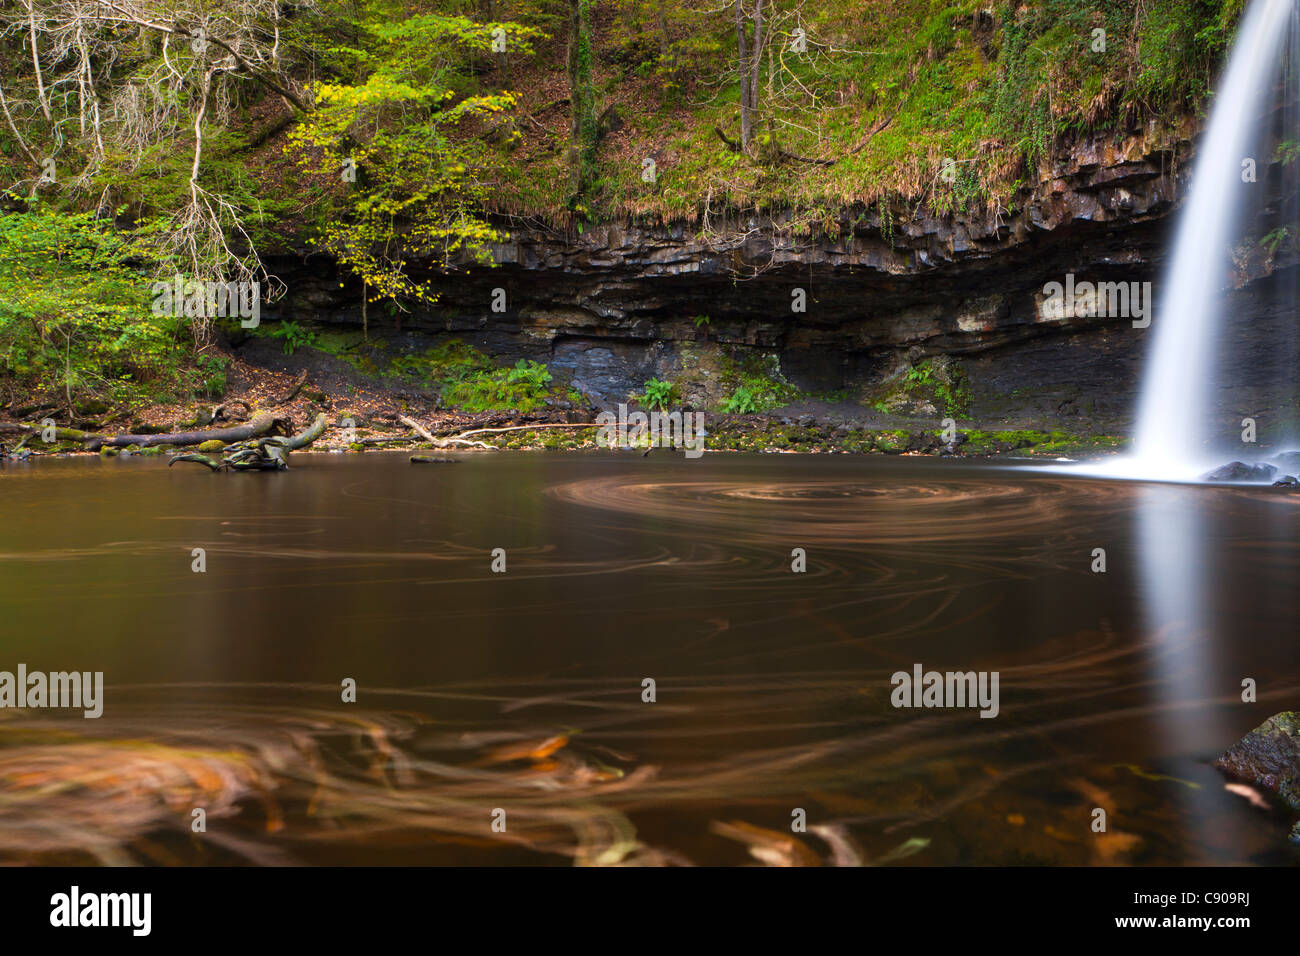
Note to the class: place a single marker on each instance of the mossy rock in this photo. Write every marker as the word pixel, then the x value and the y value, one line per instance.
pixel 211 444
pixel 106 451
pixel 92 406
pixel 1269 758
pixel 892 442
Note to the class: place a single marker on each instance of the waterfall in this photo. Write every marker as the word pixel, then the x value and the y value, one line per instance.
pixel 1170 440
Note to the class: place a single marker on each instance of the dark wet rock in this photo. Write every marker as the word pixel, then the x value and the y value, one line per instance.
pixel 619 302
pixel 1269 758
pixel 1287 481
pixel 1240 471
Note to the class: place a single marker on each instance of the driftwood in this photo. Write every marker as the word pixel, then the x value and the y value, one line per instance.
pixel 60 434
pixel 431 460
pixel 463 437
pixel 525 428
pixel 439 442
pixel 397 440
pixel 309 434
pixel 262 425
pixel 268 453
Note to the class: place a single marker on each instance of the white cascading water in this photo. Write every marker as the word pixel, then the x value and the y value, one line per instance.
pixel 1170 439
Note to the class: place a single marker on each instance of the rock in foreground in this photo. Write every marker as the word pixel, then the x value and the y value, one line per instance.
pixel 1269 758
pixel 1240 471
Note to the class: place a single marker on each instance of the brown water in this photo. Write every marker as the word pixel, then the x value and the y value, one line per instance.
pixel 522 691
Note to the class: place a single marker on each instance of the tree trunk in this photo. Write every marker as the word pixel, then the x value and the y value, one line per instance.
pixel 743 70
pixel 662 17
pixel 262 425
pixel 575 91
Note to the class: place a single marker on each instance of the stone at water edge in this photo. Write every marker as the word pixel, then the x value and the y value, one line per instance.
pixel 1269 758
pixel 1240 471
pixel 1287 481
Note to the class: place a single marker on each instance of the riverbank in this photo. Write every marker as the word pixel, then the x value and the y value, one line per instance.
pixel 365 409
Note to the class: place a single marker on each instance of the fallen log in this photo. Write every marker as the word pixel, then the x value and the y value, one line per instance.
pixel 463 437
pixel 524 428
pixel 439 442
pixel 391 440
pixel 60 434
pixel 310 433
pixel 266 453
pixel 262 425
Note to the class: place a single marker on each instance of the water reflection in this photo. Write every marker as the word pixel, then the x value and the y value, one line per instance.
pixel 521 691
pixel 1172 540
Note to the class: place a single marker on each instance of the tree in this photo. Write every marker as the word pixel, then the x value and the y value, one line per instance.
pixel 582 109
pixel 412 191
pixel 749 63
pixel 778 61
pixel 115 83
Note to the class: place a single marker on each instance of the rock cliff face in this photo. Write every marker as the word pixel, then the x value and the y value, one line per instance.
pixel 618 302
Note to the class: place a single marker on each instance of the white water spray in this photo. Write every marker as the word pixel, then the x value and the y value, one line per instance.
pixel 1170 439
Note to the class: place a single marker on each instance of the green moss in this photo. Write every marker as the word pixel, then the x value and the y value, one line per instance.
pixel 755 384
pixel 944 381
pixel 1051 444
pixel 892 442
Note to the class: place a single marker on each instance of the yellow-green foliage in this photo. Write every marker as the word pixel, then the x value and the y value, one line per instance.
pixel 75 312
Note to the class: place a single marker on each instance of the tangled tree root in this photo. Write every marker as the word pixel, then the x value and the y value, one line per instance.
pixel 270 453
